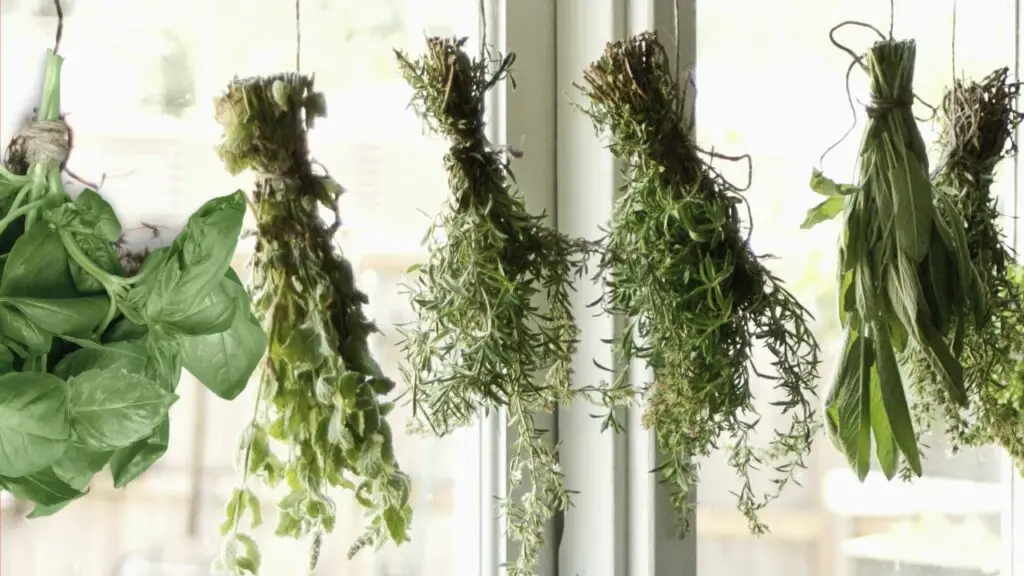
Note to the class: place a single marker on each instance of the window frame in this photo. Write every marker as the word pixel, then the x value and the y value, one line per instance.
pixel 621 522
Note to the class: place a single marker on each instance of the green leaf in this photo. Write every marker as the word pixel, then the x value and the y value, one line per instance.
pixel 89 214
pixel 164 365
pixel 131 357
pixel 828 187
pixel 37 267
pixel 224 362
pixel 823 212
pixel 34 422
pixel 76 468
pixel 112 409
pixel 913 206
pixel 214 314
pixel 193 265
pixel 894 400
pixel 103 254
pixel 43 487
pixel 15 327
pixel 77 317
pixel 6 360
pixel 129 463
pixel 848 405
pixel 885 445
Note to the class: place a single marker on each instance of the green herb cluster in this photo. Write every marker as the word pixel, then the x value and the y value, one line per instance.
pixel 678 264
pixel 905 279
pixel 978 121
pixel 89 356
pixel 495 326
pixel 320 419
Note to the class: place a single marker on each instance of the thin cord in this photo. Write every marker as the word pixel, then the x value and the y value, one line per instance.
pixel 298 36
pixel 483 29
pixel 892 17
pixel 952 47
pixel 60 26
pixel 675 26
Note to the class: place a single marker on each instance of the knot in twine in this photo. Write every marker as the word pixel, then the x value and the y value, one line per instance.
pixel 879 107
pixel 46 141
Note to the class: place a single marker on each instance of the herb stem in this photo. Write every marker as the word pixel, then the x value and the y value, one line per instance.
pixel 15 214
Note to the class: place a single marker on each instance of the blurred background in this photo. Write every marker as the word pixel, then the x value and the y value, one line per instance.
pixel 138 86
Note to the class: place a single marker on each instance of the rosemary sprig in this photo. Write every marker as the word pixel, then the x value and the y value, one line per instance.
pixel 495 326
pixel 677 262
pixel 979 120
pixel 322 395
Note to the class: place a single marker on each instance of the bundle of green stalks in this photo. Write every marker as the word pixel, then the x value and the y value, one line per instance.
pixel 322 398
pixel 905 279
pixel 495 328
pixel 679 265
pixel 979 120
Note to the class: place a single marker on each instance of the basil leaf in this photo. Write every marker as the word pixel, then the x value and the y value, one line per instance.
pixel 89 214
pixel 224 362
pixel 164 362
pixel 6 360
pixel 129 463
pixel 76 467
pixel 44 487
pixel 34 422
pixel 215 313
pixel 102 254
pixel 37 267
pixel 77 317
pixel 130 357
pixel 15 327
pixel 112 409
pixel 194 263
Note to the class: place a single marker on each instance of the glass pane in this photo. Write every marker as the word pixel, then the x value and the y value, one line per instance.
pixel 139 82
pixel 777 92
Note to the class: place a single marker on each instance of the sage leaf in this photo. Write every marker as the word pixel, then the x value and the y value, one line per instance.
pixel 823 212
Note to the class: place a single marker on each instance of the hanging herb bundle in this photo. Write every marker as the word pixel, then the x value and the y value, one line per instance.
pixel 322 395
pixel 495 327
pixel 978 122
pixel 90 356
pixel 678 264
pixel 905 277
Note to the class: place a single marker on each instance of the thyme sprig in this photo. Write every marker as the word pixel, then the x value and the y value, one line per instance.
pixel 322 400
pixel 678 263
pixel 495 326
pixel 978 121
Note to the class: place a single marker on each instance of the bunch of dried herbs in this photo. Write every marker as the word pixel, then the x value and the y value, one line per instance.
pixel 91 354
pixel 495 328
pixel 906 280
pixel 679 265
pixel 320 418
pixel 979 120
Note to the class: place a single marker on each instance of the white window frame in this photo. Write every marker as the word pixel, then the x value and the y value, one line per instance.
pixel 621 523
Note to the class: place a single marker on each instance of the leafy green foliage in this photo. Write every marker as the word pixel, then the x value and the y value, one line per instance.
pixel 979 120
pixel 905 280
pixel 322 396
pixel 678 264
pixel 78 389
pixel 495 328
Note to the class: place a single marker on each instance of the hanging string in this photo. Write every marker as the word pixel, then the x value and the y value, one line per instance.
pixel 892 18
pixel 482 9
pixel 954 101
pixel 298 36
pixel 675 27
pixel 60 26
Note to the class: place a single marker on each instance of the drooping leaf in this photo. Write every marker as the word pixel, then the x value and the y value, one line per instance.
pixel 823 212
pixel 88 215
pixel 112 409
pixel 23 274
pixel 129 463
pixel 43 487
pixel 34 422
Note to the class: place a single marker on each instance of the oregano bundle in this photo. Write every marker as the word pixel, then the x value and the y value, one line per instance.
pixel 320 420
pixel 495 328
pixel 679 265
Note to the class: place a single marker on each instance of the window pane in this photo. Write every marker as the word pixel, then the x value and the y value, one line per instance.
pixel 771 84
pixel 139 81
